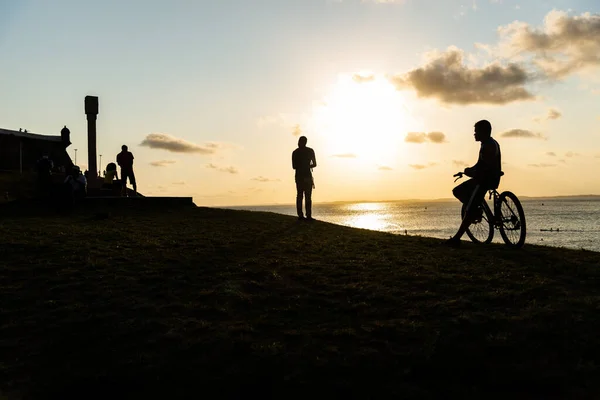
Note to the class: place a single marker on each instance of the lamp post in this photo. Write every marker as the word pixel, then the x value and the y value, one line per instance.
pixel 100 170
pixel 75 156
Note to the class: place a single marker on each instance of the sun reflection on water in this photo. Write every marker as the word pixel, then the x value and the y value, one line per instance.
pixel 366 207
pixel 375 216
pixel 367 221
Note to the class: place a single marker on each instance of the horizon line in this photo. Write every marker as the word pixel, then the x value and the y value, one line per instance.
pixel 442 199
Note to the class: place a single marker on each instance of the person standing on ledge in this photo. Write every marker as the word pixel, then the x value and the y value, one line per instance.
pixel 125 161
pixel 303 161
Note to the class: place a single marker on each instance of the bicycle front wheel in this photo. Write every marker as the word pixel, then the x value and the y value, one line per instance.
pixel 513 228
pixel 480 231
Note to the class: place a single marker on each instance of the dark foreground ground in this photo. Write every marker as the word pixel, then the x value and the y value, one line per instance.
pixel 209 303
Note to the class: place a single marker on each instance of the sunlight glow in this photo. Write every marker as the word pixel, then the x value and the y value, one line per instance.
pixel 367 118
pixel 366 207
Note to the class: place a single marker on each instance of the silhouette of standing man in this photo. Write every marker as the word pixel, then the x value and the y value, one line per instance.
pixel 125 161
pixel 303 160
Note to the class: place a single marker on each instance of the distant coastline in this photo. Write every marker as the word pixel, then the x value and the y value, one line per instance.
pixel 447 199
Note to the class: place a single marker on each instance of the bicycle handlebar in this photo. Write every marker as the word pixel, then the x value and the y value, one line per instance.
pixel 458 176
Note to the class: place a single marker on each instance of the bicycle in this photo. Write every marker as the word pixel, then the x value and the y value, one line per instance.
pixel 508 217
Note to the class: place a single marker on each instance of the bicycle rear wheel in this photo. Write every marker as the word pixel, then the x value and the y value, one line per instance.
pixel 513 228
pixel 481 231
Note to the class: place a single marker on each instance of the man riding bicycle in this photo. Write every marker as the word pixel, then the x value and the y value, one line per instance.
pixel 485 175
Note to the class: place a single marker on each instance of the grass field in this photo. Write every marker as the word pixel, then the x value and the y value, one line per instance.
pixel 221 303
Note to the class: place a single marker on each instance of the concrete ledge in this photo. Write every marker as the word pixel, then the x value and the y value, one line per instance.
pixel 138 201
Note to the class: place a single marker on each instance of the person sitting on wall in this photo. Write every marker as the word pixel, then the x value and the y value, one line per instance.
pixel 44 168
pixel 75 185
pixel 111 178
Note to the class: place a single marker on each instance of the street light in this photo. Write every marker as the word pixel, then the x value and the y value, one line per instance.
pixel 100 170
pixel 75 156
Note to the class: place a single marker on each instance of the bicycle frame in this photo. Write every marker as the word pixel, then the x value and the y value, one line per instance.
pixel 493 215
pixel 512 219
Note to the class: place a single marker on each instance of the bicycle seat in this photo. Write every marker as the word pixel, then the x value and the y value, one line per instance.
pixel 501 173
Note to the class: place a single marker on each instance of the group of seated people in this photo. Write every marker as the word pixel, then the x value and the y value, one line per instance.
pixel 75 183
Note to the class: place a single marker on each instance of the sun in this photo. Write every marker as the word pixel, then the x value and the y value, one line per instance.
pixel 364 118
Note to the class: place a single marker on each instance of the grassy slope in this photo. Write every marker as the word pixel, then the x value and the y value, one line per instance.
pixel 182 302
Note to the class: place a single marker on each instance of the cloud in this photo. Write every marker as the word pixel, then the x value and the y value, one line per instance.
pixel 229 170
pixel 417 166
pixel 571 154
pixel 179 183
pixel 422 137
pixel 522 133
pixel 382 1
pixel 562 161
pixel 551 154
pixel 542 165
pixel 362 78
pixel 296 130
pixel 345 155
pixel 446 78
pixel 563 45
pixel 176 145
pixel 270 120
pixel 458 163
pixel 263 179
pixel 553 114
pixel 385 168
pixel 162 163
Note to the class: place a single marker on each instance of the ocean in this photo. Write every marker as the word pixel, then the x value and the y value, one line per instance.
pixel 575 222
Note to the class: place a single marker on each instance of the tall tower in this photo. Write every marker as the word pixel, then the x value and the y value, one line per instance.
pixel 91 110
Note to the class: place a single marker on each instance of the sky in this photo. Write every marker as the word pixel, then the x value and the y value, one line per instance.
pixel 211 96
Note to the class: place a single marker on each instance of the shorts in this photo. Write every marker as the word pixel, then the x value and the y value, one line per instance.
pixel 471 193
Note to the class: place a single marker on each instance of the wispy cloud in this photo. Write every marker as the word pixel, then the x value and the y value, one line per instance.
pixel 422 166
pixel 522 133
pixel 571 154
pixel 162 163
pixel 170 143
pixel 229 170
pixel 384 168
pixel 345 155
pixel 383 1
pixel 446 78
pixel 542 165
pixel 458 163
pixel 551 154
pixel 417 166
pixel 363 78
pixel 264 179
pixel 180 183
pixel 422 137
pixel 296 130
pixel 552 114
